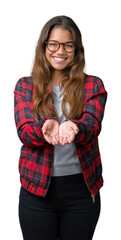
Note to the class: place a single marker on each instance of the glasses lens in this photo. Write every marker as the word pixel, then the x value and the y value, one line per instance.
pixel 53 45
pixel 69 47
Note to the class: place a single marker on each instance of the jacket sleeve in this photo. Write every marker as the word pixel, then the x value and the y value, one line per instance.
pixel 29 131
pixel 90 122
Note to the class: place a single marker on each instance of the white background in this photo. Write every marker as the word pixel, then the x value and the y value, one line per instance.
pixel 100 24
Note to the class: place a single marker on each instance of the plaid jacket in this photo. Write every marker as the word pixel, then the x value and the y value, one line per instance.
pixel 37 156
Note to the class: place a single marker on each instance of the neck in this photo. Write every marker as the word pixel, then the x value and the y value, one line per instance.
pixel 57 77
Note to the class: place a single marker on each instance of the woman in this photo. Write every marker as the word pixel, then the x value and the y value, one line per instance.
pixel 58 114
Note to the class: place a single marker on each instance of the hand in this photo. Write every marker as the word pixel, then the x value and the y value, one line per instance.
pixel 50 131
pixel 67 132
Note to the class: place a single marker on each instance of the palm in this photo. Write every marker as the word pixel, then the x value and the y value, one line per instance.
pixel 67 132
pixel 51 131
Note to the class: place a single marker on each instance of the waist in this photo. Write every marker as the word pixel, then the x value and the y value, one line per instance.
pixel 68 178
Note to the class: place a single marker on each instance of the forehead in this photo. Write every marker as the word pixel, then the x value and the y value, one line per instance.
pixel 60 35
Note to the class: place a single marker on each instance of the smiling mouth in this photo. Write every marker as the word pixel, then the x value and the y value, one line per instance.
pixel 59 59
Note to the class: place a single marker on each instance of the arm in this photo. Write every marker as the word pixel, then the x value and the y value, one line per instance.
pixel 90 122
pixel 29 131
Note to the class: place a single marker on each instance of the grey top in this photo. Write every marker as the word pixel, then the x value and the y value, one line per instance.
pixel 66 161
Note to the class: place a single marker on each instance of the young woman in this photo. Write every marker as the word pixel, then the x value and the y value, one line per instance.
pixel 58 114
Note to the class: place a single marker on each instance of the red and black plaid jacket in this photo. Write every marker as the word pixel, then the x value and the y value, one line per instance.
pixel 37 156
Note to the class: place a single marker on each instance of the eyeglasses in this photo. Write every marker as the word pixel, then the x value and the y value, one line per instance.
pixel 53 46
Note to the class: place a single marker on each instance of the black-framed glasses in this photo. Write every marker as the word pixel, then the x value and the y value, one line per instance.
pixel 53 46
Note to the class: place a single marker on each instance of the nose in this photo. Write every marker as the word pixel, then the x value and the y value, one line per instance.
pixel 61 49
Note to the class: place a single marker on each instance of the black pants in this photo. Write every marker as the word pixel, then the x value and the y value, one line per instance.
pixel 68 211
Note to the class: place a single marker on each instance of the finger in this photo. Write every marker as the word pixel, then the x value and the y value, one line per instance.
pixel 75 129
pixel 45 128
pixel 72 129
pixel 44 131
pixel 47 138
pixel 71 138
pixel 69 141
pixel 63 141
pixel 54 141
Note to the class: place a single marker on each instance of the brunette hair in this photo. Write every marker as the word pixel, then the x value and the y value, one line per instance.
pixel 74 75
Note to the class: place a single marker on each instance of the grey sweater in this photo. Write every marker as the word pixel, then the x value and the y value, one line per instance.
pixel 66 161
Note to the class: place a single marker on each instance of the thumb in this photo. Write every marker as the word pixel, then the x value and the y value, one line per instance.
pixel 45 128
pixel 75 129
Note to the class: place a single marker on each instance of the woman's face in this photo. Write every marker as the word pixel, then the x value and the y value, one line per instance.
pixel 60 59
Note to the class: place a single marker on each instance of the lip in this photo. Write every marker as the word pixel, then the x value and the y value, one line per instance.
pixel 58 59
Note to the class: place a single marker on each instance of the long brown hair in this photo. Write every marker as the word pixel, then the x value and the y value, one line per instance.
pixel 74 75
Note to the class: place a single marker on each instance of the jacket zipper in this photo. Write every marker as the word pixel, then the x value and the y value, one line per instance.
pixel 93 197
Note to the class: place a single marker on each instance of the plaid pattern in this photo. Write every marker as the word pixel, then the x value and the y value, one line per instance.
pixel 36 157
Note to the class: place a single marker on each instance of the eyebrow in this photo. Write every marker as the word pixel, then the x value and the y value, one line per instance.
pixel 59 42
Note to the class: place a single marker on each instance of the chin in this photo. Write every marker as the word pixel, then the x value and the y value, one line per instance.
pixel 59 68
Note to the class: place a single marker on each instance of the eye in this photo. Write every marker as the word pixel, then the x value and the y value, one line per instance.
pixel 69 45
pixel 52 44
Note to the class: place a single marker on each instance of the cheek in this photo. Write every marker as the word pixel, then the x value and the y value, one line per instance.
pixel 72 57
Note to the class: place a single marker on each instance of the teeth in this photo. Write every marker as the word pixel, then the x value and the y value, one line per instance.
pixel 59 59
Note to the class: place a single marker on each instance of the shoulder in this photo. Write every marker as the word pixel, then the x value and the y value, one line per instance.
pixel 24 86
pixel 93 86
pixel 93 83
pixel 93 80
